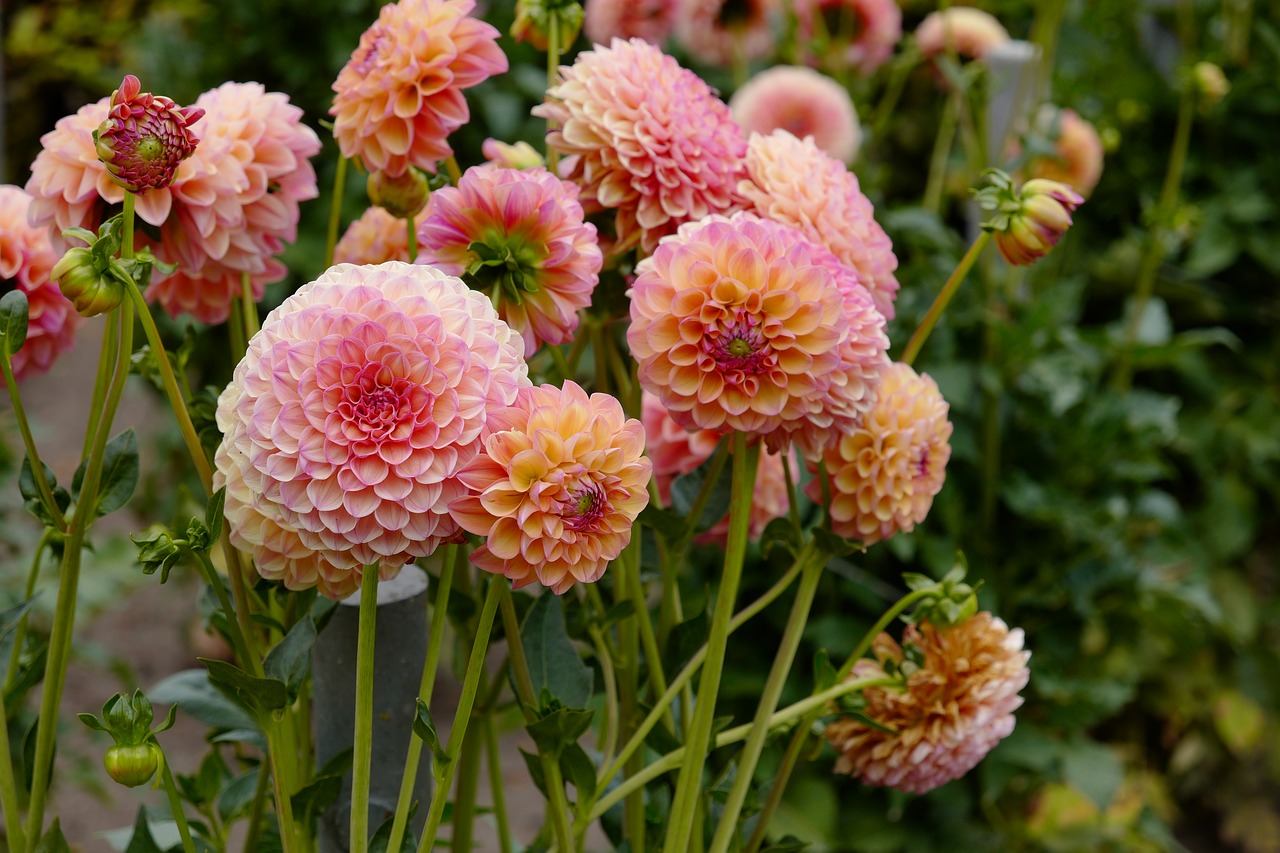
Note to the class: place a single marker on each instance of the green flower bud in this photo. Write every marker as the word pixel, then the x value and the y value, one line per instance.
pixel 404 196
pixel 91 290
pixel 133 765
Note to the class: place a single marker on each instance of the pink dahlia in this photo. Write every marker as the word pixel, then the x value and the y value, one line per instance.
pixel 885 472
pixel 676 451
pixel 145 137
pixel 644 137
pixel 955 701
pixel 650 20
pixel 716 31
pixel 802 102
pixel 400 95
pixel 350 417
pixel 374 238
pixel 877 29
pixel 235 201
pixel 970 32
pixel 794 182
pixel 25 260
pixel 556 490
pixel 520 236
pixel 744 324
pixel 1077 157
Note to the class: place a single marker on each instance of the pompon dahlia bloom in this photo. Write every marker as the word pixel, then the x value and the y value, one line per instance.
pixel 972 32
pixel 715 31
pixel 802 102
pixel 885 473
pixel 144 137
pixel 374 238
pixel 744 324
pixel 644 137
pixel 676 451
pixel 794 182
pixel 25 260
pixel 352 413
pixel 1077 159
pixel 650 20
pixel 400 95
pixel 557 488
pixel 877 29
pixel 235 201
pixel 520 236
pixel 948 713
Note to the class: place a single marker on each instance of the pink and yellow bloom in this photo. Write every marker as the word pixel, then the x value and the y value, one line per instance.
pixel 1042 216
pixel 145 137
pixel 970 32
pixel 520 236
pixel 520 155
pixel 802 102
pixel 715 31
pixel 560 482
pixel 400 95
pixel 374 238
pixel 650 20
pixel 643 137
pixel 945 715
pixel 1077 157
pixel 877 30
pixel 352 414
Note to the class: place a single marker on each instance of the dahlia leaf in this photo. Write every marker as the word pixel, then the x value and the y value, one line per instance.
pixel 554 664
pixel 13 321
pixel 290 659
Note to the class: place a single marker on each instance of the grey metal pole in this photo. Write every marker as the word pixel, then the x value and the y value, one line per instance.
pixel 400 649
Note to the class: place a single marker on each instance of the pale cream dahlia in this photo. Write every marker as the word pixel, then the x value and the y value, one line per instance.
pixel 877 29
pixel 885 472
pixel 1077 157
pixel 374 238
pixel 400 95
pixel 644 137
pixel 970 32
pixel 651 20
pixel 945 716
pixel 350 417
pixel 557 488
pixel 802 102
pixel 714 32
pixel 794 182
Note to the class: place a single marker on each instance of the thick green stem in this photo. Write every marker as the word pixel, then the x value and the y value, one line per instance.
pixel 362 760
pixel 256 810
pixel 9 788
pixel 233 625
pixel 175 806
pixel 29 442
pixel 553 72
pixel 277 749
pixel 248 307
pixel 496 787
pixel 943 298
pixel 20 631
pixel 235 332
pixel 335 210
pixel 464 800
pixel 689 784
pixel 411 231
pixel 609 730
pixel 106 358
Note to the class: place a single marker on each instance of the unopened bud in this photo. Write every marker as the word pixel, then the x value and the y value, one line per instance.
pixel 91 290
pixel 145 137
pixel 1210 84
pixel 1028 222
pixel 535 18
pixel 403 196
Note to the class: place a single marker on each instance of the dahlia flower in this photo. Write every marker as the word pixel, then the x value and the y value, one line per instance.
pixel 374 238
pixel 557 488
pixel 521 155
pixel 885 472
pixel 714 32
pixel 644 137
pixel 1077 157
pixel 971 32
pixel 145 137
pixel 649 20
pixel 1041 216
pixel 25 260
pixel 945 715
pixel 400 95
pixel 676 451
pixel 744 324
pixel 794 182
pixel 802 102
pixel 877 29
pixel 520 236
pixel 348 420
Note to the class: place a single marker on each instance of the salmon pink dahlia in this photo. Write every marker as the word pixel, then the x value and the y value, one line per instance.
pixel 885 473
pixel 25 260
pixel 520 236
pixel 802 102
pixel 877 29
pixel 144 137
pixel 970 32
pixel 650 20
pixel 374 238
pixel 644 137
pixel 400 95
pixel 957 691
pixel 557 488
pixel 794 182
pixel 716 31
pixel 352 413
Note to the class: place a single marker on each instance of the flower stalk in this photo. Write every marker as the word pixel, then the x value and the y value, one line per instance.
pixel 943 298
pixel 362 768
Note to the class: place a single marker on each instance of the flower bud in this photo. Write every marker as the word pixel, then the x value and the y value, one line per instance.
pixel 534 19
pixel 403 196
pixel 1028 221
pixel 133 765
pixel 91 290
pixel 521 155
pixel 1210 84
pixel 144 137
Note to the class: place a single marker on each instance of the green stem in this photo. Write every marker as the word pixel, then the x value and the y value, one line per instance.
pixel 20 631
pixel 553 71
pixel 235 331
pixel 628 663
pixel 335 210
pixel 175 806
pixel 494 763
pixel 943 298
pixel 941 155
pixel 990 412
pixel 233 625
pixel 558 359
pixel 9 788
pixel 276 751
pixel 362 760
pixel 648 639
pixel 452 169
pixel 689 784
pixel 464 800
pixel 887 108
pixel 248 307
pixel 256 809
pixel 609 731
pixel 126 250
pixel 106 358
pixel 718 459
pixel 470 684
pixel 411 229
pixel 29 442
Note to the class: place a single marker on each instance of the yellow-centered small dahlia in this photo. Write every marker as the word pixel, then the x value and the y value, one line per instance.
pixel 885 472
pixel 557 488
pixel 955 701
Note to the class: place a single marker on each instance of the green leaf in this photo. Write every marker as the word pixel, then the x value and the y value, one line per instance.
pixel 237 794
pixel 13 321
pixel 119 472
pixel 11 616
pixel 142 840
pixel 193 692
pixel 786 844
pixel 213 514
pixel 554 665
pixel 423 728
pixel 1094 770
pixel 290 660
pixel 53 841
pixel 31 493
pixel 668 523
pixel 261 694
pixel 382 837
pixel 314 798
pixel 686 487
pixel 578 769
pixel 533 763
pixel 824 674
pixel 555 731
pixel 832 545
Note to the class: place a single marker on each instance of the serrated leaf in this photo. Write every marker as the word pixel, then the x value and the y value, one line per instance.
pixel 237 794
pixel 142 840
pixel 423 728
pixel 193 692
pixel 13 321
pixel 555 731
pixel 53 841
pixel 119 472
pixel 261 694
pixel 290 660
pixel 533 763
pixel 554 665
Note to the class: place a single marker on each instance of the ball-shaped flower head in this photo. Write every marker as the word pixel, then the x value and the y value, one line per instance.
pixel 644 137
pixel 794 182
pixel 885 473
pixel 676 451
pixel 400 95
pixel 144 137
pixel 650 20
pixel 25 260
pixel 877 29
pixel 970 32
pixel 374 238
pixel 1077 157
pixel 557 488
pixel 236 201
pixel 349 418
pixel 715 31
pixel 948 712
pixel 802 102
pixel 519 236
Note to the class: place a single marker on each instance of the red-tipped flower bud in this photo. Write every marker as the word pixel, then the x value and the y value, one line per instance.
pixel 1029 221
pixel 145 137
